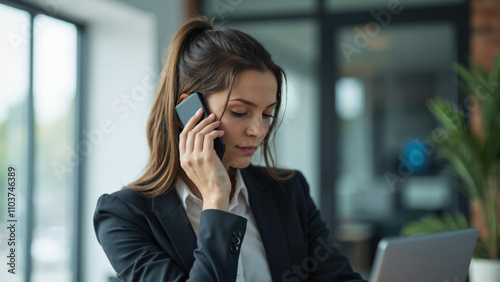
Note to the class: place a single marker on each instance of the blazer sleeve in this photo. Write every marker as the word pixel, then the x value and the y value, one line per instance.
pixel 331 264
pixel 135 254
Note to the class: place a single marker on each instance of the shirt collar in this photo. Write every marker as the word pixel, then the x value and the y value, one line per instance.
pixel 185 193
pixel 241 188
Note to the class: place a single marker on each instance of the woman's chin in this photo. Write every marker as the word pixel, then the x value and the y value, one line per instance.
pixel 238 164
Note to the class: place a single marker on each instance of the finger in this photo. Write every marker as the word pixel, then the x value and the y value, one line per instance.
pixel 210 119
pixel 197 128
pixel 190 137
pixel 193 120
pixel 182 143
pixel 183 136
pixel 192 133
pixel 208 143
pixel 200 136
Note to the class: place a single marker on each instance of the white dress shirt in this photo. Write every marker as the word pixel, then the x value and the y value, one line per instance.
pixel 252 262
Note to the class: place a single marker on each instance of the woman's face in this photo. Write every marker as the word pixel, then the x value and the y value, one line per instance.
pixel 247 118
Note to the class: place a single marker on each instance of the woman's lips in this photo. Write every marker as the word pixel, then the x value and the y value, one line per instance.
pixel 248 150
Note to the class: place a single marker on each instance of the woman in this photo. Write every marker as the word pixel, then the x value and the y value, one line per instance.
pixel 192 216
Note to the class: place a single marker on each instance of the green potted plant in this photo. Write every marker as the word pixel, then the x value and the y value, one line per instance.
pixel 471 145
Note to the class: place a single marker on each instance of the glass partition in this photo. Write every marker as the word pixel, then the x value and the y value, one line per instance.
pixel 382 93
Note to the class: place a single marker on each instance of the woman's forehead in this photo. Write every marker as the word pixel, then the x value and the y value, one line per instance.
pixel 251 87
pixel 255 86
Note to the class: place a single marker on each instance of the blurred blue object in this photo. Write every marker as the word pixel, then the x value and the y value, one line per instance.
pixel 416 155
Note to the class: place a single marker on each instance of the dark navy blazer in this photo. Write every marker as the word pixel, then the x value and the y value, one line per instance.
pixel 151 239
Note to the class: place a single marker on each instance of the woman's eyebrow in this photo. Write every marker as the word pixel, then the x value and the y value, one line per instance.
pixel 250 103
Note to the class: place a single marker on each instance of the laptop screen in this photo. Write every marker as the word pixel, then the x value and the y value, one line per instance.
pixel 439 257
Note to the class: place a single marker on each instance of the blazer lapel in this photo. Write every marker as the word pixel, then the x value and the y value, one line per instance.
pixel 171 214
pixel 269 223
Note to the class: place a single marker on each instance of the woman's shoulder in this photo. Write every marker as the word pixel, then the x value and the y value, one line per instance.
pixel 125 208
pixel 124 197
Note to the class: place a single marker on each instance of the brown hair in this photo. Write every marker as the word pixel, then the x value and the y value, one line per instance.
pixel 206 60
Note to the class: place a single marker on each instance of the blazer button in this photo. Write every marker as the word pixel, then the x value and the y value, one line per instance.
pixel 236 241
pixel 235 249
pixel 237 234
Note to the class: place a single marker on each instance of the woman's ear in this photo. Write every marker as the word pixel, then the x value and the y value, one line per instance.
pixel 183 97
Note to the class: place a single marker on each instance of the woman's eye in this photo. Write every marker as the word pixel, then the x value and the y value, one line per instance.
pixel 236 114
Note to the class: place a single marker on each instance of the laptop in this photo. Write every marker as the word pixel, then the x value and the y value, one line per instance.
pixel 436 257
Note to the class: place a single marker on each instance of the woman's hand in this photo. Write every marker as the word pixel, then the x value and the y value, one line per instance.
pixel 201 163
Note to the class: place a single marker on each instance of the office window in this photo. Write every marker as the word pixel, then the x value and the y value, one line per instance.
pixel 39 125
pixel 384 126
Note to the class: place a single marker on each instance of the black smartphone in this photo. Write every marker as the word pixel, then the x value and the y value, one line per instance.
pixel 188 108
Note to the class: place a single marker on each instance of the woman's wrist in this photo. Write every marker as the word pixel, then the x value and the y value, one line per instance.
pixel 217 203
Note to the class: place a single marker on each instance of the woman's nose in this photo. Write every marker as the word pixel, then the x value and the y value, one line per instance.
pixel 257 128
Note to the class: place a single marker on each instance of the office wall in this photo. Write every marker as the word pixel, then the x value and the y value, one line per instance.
pixel 121 59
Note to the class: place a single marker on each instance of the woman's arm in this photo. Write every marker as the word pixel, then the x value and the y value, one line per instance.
pixel 136 255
